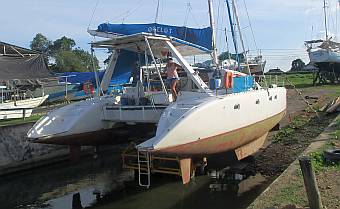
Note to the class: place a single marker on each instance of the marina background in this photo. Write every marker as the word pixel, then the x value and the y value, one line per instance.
pixel 281 27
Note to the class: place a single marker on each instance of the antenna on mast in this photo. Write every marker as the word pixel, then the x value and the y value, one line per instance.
pixel 156 17
pixel 324 11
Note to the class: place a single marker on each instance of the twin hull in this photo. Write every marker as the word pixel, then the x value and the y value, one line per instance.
pixel 72 123
pixel 218 124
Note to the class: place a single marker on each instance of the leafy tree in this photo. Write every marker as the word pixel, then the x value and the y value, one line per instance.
pixel 76 60
pixel 62 44
pixel 67 58
pixel 297 65
pixel 40 43
pixel 87 60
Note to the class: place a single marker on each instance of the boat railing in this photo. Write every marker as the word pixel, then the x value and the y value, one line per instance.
pixel 270 80
pixel 10 113
pixel 11 95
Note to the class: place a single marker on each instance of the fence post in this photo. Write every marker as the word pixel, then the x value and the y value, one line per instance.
pixel 313 194
pixel 24 113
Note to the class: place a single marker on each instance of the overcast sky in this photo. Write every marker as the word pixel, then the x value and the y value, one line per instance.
pixel 280 26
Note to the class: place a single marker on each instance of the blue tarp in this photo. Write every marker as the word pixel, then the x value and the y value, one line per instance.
pixel 124 66
pixel 79 77
pixel 121 75
pixel 201 37
pixel 243 83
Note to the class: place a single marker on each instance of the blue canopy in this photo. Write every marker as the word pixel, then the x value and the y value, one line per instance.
pixel 121 74
pixel 201 37
pixel 124 67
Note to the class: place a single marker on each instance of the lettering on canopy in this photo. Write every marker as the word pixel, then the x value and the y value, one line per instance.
pixel 160 29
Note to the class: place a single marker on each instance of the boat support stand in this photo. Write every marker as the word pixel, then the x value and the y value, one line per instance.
pixel 146 163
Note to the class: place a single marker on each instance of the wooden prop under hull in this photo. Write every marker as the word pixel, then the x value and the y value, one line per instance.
pixel 186 169
pixel 250 148
pixel 186 165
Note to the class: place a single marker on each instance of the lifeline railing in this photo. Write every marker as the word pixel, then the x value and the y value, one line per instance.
pixel 7 113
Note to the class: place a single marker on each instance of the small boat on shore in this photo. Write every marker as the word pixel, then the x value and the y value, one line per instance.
pixel 21 108
pixel 325 55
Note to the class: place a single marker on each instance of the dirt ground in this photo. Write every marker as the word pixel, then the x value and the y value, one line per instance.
pixel 298 129
pixel 277 156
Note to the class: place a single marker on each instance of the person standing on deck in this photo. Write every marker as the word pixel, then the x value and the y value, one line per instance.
pixel 172 76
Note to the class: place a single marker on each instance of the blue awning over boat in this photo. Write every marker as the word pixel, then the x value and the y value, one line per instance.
pixel 124 67
pixel 201 37
pixel 121 74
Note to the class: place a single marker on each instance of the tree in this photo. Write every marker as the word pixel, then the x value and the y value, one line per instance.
pixel 41 44
pixel 76 60
pixel 62 44
pixel 297 65
pixel 66 57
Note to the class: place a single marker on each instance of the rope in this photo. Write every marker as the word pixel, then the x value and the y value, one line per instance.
pixel 186 15
pixel 303 98
pixel 250 25
pixel 94 10
pixel 128 12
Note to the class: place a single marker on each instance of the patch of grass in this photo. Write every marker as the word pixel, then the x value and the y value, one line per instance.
pixel 336 133
pixel 300 80
pixel 18 121
pixel 291 194
pixel 289 130
pixel 319 163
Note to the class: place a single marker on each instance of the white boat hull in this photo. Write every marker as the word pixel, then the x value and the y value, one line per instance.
pixel 20 108
pixel 322 56
pixel 218 124
pixel 72 120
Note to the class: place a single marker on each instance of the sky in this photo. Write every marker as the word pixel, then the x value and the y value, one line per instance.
pixel 280 26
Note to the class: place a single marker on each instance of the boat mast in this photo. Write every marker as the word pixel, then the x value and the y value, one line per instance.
pixel 233 34
pixel 241 37
pixel 212 25
pixel 325 14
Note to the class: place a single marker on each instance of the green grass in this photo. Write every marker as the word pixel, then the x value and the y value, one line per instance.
pixel 319 163
pixel 336 133
pixel 291 194
pixel 300 80
pixel 289 130
pixel 18 121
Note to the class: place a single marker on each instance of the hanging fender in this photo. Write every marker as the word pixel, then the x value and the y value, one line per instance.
pixel 228 80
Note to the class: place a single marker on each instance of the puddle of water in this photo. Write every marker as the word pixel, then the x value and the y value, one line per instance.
pixel 53 188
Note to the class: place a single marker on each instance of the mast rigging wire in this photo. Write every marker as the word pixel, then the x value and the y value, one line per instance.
pixel 93 12
pixel 251 27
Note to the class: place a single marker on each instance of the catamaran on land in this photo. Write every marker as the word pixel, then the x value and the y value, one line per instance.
pixel 233 117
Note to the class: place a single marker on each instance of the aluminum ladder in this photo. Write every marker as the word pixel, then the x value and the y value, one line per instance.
pixel 143 156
